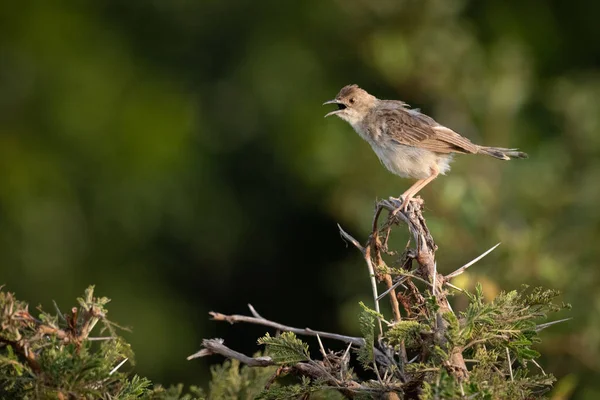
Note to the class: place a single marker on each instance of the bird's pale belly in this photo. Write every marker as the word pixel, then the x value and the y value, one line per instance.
pixel 411 162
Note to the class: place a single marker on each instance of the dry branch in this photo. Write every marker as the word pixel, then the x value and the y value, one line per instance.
pixel 424 254
pixel 232 319
pixel 425 257
pixel 312 369
pixel 390 363
pixel 381 357
pixel 216 346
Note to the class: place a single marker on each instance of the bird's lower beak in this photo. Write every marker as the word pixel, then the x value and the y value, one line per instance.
pixel 333 112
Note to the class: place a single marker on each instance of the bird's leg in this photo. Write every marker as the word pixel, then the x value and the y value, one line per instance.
pixel 404 199
pixel 414 189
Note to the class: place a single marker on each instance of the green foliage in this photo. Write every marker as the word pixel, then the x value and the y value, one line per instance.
pixel 496 338
pixel 367 320
pixel 304 389
pixel 53 356
pixel 232 381
pixel 510 320
pixel 286 348
pixel 407 332
pixel 175 392
pixel 491 335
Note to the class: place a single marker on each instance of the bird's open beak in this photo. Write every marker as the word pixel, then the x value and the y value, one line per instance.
pixel 334 101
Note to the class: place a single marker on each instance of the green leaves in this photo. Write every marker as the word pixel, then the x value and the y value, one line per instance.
pixel 508 321
pixel 286 348
pixel 497 338
pixel 52 356
pixel 296 391
pixel 367 319
pixel 234 381
pixel 408 332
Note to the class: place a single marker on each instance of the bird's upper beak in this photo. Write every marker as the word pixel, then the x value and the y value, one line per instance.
pixel 340 105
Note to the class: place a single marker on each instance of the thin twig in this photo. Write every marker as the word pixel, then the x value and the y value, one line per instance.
pixel 375 244
pixel 254 312
pixel 118 366
pixel 91 339
pixel 366 252
pixel 455 287
pixel 377 370
pixel 325 359
pixel 539 366
pixel 509 364
pixel 394 286
pixel 232 319
pixel 349 238
pixel 434 278
pixel 548 324
pixel 486 339
pixel 344 362
pixel 367 255
pixel 216 346
pixel 418 278
pixel 378 209
pixel 467 265
pixel 58 312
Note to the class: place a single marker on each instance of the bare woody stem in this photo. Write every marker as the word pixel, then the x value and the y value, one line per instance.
pixel 314 370
pixel 373 251
pixel 425 257
pixel 424 254
pixel 259 320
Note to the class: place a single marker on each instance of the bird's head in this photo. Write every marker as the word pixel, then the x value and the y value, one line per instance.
pixel 353 104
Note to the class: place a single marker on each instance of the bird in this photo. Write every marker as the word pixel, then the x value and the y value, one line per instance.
pixel 408 143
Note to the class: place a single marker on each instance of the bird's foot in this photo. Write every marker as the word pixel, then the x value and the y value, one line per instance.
pixel 397 202
pixel 402 205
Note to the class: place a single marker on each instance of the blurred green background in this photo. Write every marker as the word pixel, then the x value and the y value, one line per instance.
pixel 174 153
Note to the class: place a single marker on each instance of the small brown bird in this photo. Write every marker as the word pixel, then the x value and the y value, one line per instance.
pixel 410 144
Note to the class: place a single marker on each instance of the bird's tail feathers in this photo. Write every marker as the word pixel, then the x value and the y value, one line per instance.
pixel 501 153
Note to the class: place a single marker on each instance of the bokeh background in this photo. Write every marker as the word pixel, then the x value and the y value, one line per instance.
pixel 174 153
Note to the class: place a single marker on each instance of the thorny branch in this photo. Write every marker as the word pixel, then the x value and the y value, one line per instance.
pixel 372 252
pixel 381 357
pixel 391 365
pixel 232 319
pixel 312 369
pixel 424 254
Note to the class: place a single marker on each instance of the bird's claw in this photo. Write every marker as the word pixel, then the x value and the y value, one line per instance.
pixel 399 203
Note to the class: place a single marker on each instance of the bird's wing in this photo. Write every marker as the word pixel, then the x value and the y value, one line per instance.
pixel 412 128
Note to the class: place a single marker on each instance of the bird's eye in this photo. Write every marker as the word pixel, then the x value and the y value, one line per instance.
pixel 352 100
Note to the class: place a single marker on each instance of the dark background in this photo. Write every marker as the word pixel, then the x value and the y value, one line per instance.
pixel 174 153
